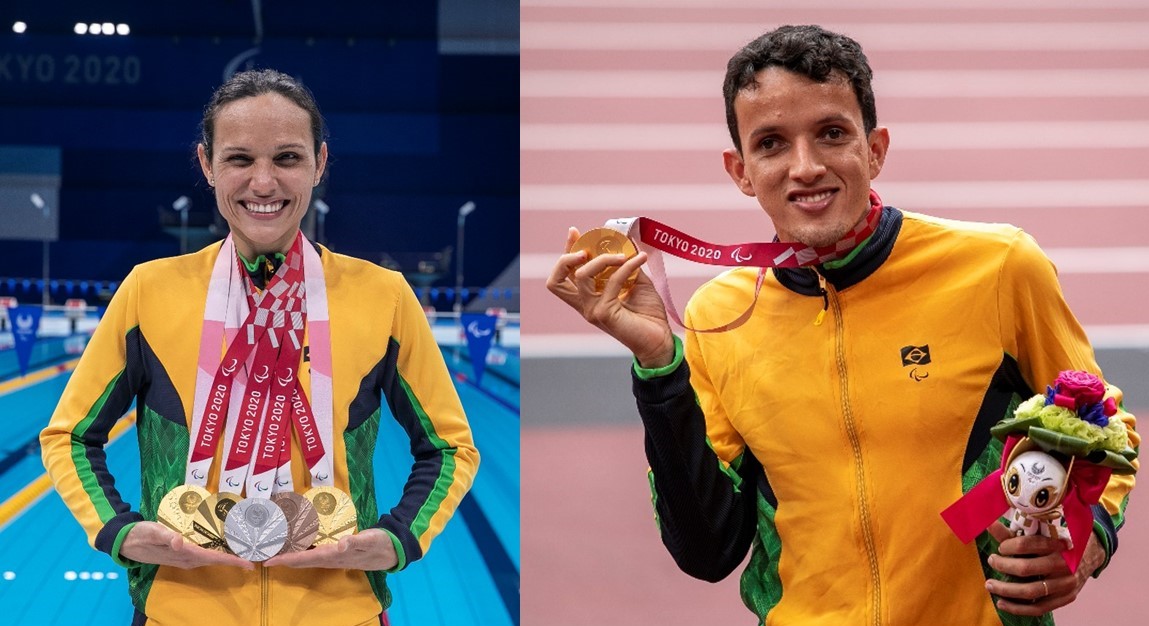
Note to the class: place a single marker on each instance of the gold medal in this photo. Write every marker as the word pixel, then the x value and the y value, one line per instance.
pixel 302 521
pixel 599 241
pixel 177 509
pixel 210 517
pixel 337 517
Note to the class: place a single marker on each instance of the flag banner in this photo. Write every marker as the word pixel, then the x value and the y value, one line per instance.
pixel 25 323
pixel 480 331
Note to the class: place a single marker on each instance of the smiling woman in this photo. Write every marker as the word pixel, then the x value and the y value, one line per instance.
pixel 286 519
pixel 263 152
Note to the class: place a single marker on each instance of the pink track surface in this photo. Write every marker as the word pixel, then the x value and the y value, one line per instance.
pixel 592 555
pixel 626 95
pixel 591 551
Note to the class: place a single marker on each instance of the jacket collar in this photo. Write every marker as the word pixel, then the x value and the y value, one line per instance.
pixel 804 280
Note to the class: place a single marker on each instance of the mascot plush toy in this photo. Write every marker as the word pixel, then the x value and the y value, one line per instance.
pixel 1059 449
pixel 1034 485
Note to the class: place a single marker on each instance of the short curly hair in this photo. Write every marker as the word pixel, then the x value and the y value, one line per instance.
pixel 808 50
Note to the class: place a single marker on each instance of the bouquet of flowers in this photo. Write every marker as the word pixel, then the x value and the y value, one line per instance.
pixel 1060 449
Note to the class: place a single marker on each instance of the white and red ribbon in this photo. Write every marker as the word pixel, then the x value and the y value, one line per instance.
pixel 316 435
pixel 257 379
pixel 654 238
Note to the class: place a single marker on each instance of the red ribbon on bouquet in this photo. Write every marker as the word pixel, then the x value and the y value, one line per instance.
pixel 986 503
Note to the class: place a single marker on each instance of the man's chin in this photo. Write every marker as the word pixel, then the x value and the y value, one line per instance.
pixel 820 239
pixel 821 236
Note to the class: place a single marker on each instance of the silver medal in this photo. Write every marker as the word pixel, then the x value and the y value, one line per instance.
pixel 255 529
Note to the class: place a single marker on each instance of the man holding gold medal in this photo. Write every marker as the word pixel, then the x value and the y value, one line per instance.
pixel 258 367
pixel 835 391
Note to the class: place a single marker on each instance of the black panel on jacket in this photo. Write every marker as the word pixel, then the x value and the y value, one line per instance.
pixel 1006 386
pixel 706 525
pixel 155 387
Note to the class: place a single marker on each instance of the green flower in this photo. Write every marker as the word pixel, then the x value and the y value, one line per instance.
pixel 1058 429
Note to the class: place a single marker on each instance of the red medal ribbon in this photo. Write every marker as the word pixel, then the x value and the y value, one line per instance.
pixel 254 401
pixel 660 237
pixel 774 254
pixel 273 377
pixel 289 406
pixel 259 319
pixel 305 428
pixel 275 444
pixel 271 446
pixel 220 395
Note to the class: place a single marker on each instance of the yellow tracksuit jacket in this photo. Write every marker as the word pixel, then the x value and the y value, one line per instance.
pixel 832 448
pixel 145 350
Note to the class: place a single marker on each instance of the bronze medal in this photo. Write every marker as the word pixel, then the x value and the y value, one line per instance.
pixel 209 519
pixel 599 241
pixel 177 509
pixel 337 517
pixel 302 521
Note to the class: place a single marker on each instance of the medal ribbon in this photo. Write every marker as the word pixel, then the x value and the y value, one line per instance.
pixel 275 435
pixel 654 237
pixel 312 425
pixel 314 420
pixel 280 309
pixel 275 451
pixel 247 421
pixel 213 402
pixel 252 415
pixel 271 469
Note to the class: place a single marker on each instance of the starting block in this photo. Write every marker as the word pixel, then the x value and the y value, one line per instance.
pixel 496 356
pixel 74 310
pixel 6 303
pixel 500 315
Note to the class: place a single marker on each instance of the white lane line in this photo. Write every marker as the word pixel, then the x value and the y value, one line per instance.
pixel 728 37
pixel 903 136
pixel 1061 83
pixel 571 345
pixel 564 137
pixel 1119 336
pixel 596 344
pixel 1128 260
pixel 916 196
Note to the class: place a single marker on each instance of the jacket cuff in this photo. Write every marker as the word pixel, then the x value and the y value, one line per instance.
pixel 648 373
pixel 406 546
pixel 400 554
pixel 1106 534
pixel 112 536
pixel 661 389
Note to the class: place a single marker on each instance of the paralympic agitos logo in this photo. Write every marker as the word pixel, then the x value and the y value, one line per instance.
pixel 916 357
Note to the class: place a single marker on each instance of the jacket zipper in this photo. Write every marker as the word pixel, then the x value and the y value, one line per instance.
pixel 263 619
pixel 830 298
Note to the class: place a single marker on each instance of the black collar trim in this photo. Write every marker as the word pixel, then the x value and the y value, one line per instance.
pixel 804 280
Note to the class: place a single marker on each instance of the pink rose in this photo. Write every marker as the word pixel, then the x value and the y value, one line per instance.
pixel 1084 389
pixel 1110 407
